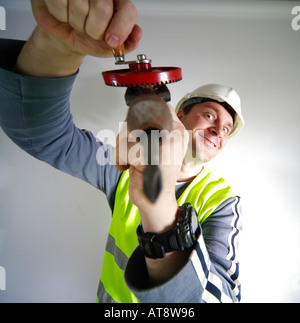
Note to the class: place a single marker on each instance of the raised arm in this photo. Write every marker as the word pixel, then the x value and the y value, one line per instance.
pixel 35 101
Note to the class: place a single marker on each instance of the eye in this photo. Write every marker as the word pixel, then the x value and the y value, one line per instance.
pixel 209 116
pixel 227 130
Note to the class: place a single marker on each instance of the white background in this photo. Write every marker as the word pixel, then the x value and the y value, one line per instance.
pixel 53 228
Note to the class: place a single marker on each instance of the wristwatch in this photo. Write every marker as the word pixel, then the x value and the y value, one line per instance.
pixel 182 237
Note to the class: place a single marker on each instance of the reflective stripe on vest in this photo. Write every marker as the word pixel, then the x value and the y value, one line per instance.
pixel 205 193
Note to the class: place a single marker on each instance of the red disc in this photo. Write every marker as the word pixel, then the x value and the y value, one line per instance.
pixel 144 76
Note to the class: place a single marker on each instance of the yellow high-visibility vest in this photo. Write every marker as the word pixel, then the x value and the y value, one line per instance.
pixel 205 193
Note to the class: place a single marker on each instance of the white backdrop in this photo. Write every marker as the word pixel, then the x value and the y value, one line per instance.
pixel 53 227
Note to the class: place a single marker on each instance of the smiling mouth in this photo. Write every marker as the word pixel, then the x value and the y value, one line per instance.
pixel 209 142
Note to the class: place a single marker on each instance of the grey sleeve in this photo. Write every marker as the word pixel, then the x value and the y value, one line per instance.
pixel 210 275
pixel 35 114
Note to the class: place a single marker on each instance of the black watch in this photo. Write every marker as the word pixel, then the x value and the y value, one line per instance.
pixel 182 237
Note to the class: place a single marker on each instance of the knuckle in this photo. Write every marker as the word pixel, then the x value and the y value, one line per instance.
pixel 79 7
pixel 100 15
pixel 104 9
pixel 58 9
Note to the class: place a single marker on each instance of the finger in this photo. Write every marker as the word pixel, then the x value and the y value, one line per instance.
pixel 133 40
pixel 129 149
pixel 122 24
pixel 120 152
pixel 173 113
pixel 78 12
pixel 57 8
pixel 100 15
pixel 119 164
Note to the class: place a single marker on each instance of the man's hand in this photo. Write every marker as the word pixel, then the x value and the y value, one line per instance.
pixel 160 216
pixel 90 27
pixel 68 30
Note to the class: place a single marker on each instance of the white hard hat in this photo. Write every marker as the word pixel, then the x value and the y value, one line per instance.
pixel 219 93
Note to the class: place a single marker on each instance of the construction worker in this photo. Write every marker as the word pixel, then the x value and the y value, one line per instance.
pixel 180 249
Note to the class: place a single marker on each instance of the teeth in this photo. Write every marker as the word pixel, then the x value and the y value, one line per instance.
pixel 208 141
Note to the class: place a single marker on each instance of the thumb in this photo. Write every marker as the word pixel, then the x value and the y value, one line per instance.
pixel 120 164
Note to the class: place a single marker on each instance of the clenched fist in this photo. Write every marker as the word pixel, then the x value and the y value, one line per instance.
pixel 90 27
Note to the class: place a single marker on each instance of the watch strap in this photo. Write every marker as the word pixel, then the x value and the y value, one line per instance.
pixel 157 245
pixel 178 239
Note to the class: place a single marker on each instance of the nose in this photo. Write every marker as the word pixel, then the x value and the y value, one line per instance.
pixel 216 130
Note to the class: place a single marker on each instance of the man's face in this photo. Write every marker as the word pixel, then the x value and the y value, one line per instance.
pixel 210 124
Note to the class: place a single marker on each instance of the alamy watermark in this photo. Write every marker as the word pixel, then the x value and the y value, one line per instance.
pixel 164 148
pixel 2 279
pixel 2 18
pixel 296 20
